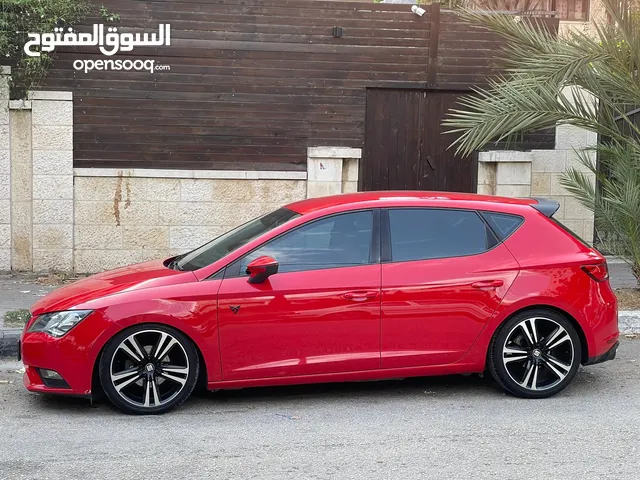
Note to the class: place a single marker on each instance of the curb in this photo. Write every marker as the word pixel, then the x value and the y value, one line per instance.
pixel 628 324
pixel 9 341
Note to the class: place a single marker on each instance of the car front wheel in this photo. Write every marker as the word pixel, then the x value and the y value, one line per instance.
pixel 149 369
pixel 535 354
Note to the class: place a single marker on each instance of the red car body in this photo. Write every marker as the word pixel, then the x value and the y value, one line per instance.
pixel 384 320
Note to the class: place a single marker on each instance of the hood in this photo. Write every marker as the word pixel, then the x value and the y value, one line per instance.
pixel 133 277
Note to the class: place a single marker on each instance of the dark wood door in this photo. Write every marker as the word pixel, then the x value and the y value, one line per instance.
pixel 405 147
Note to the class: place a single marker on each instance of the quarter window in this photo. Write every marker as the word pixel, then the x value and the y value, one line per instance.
pixel 503 223
pixel 421 234
pixel 337 241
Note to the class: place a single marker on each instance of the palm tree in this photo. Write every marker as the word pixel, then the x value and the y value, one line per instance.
pixel 587 81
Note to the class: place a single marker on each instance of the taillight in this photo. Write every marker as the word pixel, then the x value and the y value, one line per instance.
pixel 598 272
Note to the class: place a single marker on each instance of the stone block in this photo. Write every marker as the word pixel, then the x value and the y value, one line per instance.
pixel 349 187
pixel 556 187
pixel 486 173
pixel 93 261
pixel 52 260
pixel 574 210
pixel 334 152
pixel 190 237
pixel 22 248
pixel 574 162
pixel 165 189
pixel 48 137
pixel 548 160
pixel 5 211
pixel 509 173
pixel 569 137
pixel 50 95
pixel 52 113
pixel 5 260
pixel 52 162
pixel 500 156
pixel 540 183
pixel 53 187
pixel 98 237
pixel 5 236
pixel 588 231
pixel 350 169
pixel 93 213
pixel 5 189
pixel 21 213
pixel 140 237
pixel 53 237
pixel 576 226
pixel 513 190
pixel 4 137
pixel 5 166
pixel 323 189
pixel 196 190
pixel 486 190
pixel 279 191
pixel 324 170
pixel 52 211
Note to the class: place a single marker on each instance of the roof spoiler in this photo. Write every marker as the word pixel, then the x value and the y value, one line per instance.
pixel 546 206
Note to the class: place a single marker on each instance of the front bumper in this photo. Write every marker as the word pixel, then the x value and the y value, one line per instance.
pixel 606 356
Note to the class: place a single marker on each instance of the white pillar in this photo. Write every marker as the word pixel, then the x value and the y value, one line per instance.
pixel 332 170
pixel 52 180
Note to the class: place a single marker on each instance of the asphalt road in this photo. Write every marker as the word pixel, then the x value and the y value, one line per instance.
pixel 446 428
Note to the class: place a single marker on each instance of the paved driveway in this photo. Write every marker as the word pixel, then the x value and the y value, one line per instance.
pixel 447 428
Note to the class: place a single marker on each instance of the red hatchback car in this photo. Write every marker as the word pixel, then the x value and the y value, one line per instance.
pixel 351 287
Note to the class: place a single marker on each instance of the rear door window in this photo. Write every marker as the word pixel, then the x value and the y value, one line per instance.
pixel 427 233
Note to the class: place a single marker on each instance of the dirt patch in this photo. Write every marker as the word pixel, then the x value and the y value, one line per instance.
pixel 628 298
pixel 16 318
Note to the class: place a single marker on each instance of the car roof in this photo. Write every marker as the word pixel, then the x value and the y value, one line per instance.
pixel 405 198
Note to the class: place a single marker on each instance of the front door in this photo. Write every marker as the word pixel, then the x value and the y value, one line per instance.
pixel 444 278
pixel 319 314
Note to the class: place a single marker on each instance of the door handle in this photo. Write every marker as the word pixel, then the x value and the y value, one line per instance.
pixel 360 296
pixel 488 284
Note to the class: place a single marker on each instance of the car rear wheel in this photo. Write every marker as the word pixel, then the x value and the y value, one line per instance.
pixel 535 354
pixel 149 369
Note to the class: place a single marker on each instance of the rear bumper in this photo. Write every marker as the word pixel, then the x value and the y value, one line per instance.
pixel 608 355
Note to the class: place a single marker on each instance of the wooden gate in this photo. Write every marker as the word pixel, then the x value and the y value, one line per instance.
pixel 405 148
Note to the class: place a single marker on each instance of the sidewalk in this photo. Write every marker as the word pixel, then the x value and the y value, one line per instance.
pixel 19 292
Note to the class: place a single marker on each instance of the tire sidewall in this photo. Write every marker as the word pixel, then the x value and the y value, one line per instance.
pixel 104 368
pixel 499 371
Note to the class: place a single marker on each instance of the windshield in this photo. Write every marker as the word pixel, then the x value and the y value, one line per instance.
pixel 230 241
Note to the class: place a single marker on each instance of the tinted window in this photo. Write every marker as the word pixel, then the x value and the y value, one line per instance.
pixel 418 234
pixel 502 223
pixel 230 241
pixel 337 241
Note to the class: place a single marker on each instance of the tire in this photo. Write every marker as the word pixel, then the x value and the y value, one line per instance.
pixel 535 354
pixel 149 369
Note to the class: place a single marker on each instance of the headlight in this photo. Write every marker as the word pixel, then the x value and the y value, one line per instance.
pixel 57 324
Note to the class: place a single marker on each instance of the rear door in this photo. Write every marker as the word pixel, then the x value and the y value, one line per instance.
pixel 444 273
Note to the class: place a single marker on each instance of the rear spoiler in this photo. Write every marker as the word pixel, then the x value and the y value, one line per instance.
pixel 546 206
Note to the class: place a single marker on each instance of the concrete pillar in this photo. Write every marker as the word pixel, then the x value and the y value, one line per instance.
pixel 332 170
pixel 504 173
pixel 21 186
pixel 5 172
pixel 52 136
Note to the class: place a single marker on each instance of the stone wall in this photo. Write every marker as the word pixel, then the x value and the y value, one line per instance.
pixel 124 217
pixel 537 173
pixel 5 172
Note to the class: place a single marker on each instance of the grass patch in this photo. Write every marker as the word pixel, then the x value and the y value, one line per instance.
pixel 628 298
pixel 16 318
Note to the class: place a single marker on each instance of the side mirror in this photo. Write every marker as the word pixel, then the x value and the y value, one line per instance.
pixel 261 268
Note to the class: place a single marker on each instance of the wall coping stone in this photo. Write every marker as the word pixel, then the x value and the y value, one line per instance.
pixel 504 156
pixel 334 152
pixel 206 174
pixel 50 95
pixel 5 70
pixel 19 104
